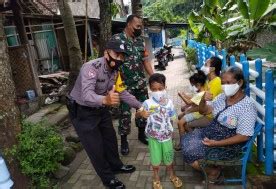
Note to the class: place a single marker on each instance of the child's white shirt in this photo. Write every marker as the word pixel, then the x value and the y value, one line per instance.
pixel 159 124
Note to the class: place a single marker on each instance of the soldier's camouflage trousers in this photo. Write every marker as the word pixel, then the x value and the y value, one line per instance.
pixel 125 117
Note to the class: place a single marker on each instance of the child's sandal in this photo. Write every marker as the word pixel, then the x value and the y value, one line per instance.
pixel 218 180
pixel 177 147
pixel 176 182
pixel 156 185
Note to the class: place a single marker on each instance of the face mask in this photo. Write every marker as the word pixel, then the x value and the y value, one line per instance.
pixel 159 96
pixel 231 89
pixel 194 89
pixel 205 69
pixel 137 32
pixel 118 63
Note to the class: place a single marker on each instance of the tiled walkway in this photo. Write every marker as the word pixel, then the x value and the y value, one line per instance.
pixel 83 176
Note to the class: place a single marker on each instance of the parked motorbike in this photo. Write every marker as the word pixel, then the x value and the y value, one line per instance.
pixel 163 56
pixel 169 56
pixel 161 59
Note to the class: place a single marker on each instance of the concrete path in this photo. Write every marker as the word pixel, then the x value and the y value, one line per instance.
pixel 83 176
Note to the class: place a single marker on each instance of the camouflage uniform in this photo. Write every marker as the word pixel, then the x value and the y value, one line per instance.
pixel 133 75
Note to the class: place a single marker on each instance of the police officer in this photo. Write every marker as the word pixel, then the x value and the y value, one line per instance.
pixel 136 61
pixel 90 98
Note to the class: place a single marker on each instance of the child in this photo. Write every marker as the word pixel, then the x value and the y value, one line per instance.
pixel 198 83
pixel 159 129
pixel 186 98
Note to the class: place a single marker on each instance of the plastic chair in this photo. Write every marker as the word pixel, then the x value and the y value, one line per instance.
pixel 220 156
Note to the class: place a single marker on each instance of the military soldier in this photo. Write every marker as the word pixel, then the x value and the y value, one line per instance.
pixel 136 61
pixel 88 103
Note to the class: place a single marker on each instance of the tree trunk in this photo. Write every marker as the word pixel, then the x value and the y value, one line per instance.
pixel 105 24
pixel 73 45
pixel 136 7
pixel 9 113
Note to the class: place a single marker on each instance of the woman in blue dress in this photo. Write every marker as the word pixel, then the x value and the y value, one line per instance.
pixel 234 120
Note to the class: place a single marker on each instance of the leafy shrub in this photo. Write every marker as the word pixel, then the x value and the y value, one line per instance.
pixel 39 151
pixel 191 56
pixel 95 54
pixel 268 52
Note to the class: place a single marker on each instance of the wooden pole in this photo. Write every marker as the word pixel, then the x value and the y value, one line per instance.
pixel 19 22
pixel 90 39
pixel 86 29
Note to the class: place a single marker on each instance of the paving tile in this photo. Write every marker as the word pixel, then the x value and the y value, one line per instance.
pixel 146 173
pixel 146 161
pixel 84 171
pixel 130 184
pixel 134 176
pixel 67 186
pixel 141 182
pixel 74 178
pixel 141 156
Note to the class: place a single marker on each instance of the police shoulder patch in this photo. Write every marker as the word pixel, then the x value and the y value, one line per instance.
pixel 91 73
pixel 97 64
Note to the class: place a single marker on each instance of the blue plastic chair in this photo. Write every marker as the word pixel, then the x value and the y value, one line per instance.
pixel 220 156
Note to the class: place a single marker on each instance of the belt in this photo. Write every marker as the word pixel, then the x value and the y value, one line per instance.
pixel 92 108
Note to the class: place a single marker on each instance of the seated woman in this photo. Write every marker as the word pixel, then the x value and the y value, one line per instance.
pixel 212 69
pixel 234 120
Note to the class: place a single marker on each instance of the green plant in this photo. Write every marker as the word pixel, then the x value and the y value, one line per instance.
pixel 39 151
pixel 191 56
pixel 170 11
pixel 95 54
pixel 268 52
pixel 115 9
pixel 232 20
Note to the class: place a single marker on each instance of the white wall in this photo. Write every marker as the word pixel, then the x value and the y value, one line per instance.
pixel 78 8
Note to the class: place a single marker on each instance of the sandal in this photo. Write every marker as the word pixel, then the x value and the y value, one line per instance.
pixel 218 180
pixel 177 147
pixel 156 185
pixel 176 182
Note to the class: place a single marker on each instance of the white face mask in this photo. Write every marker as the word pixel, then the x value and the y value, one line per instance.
pixel 159 96
pixel 230 89
pixel 194 89
pixel 205 69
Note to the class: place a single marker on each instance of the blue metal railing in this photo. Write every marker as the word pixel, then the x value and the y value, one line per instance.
pixel 264 101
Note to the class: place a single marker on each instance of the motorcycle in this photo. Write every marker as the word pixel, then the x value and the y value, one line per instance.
pixel 169 56
pixel 161 59
pixel 163 56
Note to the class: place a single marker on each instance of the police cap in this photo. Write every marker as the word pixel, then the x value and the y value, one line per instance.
pixel 116 45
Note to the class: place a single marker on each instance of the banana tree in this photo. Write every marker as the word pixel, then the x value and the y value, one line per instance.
pixel 208 22
pixel 235 22
pixel 258 15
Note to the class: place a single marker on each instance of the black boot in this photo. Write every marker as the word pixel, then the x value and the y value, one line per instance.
pixel 124 145
pixel 141 135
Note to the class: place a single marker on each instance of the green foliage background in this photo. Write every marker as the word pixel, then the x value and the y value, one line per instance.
pixel 171 11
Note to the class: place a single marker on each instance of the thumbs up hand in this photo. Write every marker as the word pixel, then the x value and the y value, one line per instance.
pixel 112 98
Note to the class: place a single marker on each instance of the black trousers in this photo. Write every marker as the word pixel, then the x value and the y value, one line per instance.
pixel 98 137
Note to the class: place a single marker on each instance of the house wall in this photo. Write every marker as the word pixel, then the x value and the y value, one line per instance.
pixel 23 75
pixel 78 7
